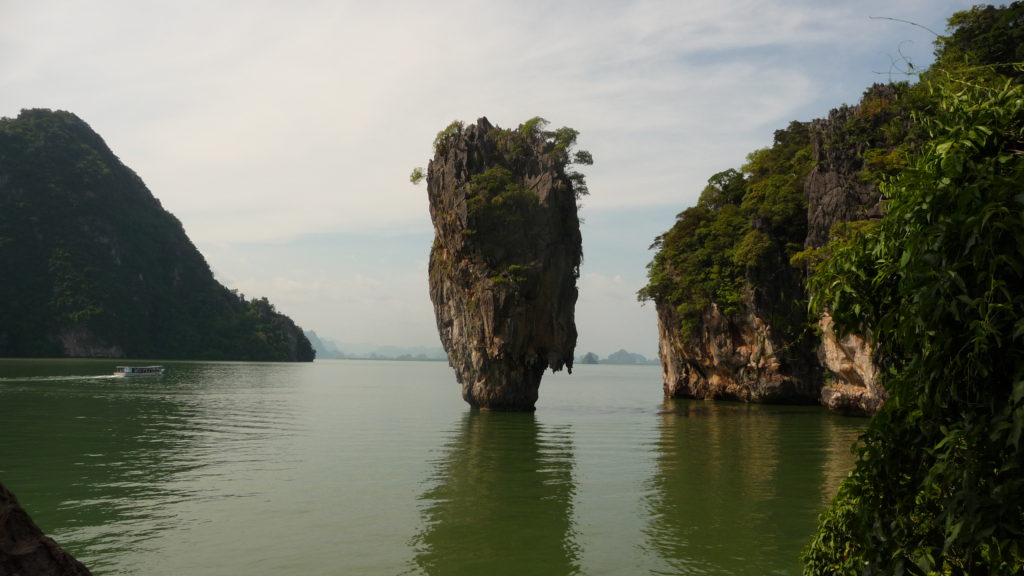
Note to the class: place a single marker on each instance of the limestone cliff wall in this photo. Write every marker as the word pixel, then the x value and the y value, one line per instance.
pixel 733 358
pixel 81 342
pixel 504 265
pixel 853 387
pixel 837 192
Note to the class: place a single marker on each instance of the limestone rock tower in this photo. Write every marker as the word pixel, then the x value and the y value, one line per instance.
pixel 506 256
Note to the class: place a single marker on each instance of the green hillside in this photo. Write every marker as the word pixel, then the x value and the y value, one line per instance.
pixel 92 265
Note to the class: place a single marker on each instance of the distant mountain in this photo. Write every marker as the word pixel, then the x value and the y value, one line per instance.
pixel 328 348
pixel 93 266
pixel 324 349
pixel 620 357
pixel 624 357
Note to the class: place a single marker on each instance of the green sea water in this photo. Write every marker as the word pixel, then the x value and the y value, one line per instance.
pixel 361 467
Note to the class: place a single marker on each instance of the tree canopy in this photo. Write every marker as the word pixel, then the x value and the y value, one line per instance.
pixel 745 223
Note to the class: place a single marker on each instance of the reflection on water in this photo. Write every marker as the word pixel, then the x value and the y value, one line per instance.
pixel 501 500
pixel 736 484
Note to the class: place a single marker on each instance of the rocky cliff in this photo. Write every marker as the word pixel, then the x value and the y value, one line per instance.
pixel 757 352
pixel 93 266
pixel 848 147
pixel 25 550
pixel 853 386
pixel 728 280
pixel 836 188
pixel 731 313
pixel 732 358
pixel 505 258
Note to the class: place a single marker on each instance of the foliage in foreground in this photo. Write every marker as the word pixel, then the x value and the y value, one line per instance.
pixel 939 486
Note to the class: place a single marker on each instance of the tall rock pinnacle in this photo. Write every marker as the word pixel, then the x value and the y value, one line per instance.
pixel 506 256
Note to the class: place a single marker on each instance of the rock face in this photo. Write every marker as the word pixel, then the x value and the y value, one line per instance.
pixel 854 388
pixel 505 260
pixel 25 550
pixel 837 190
pixel 836 193
pixel 733 358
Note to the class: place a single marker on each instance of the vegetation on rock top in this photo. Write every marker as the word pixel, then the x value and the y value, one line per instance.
pixel 503 212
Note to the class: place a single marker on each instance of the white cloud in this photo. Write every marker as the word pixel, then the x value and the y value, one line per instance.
pixel 268 122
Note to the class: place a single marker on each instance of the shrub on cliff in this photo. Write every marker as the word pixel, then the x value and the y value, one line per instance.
pixel 743 226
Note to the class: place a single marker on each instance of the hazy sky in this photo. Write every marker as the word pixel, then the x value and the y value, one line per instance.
pixel 282 134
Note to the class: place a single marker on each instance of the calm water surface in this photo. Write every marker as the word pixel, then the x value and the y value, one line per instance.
pixel 358 467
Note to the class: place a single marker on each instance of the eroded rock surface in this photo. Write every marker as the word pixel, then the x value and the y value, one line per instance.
pixel 837 193
pixel 505 259
pixel 732 358
pixel 854 388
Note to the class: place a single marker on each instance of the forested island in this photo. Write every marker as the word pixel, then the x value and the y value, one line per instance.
pixel 93 266
pixel 874 261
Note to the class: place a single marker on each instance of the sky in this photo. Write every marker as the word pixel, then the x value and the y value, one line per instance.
pixel 282 134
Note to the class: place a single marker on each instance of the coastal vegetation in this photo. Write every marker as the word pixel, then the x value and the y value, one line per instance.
pixel 94 266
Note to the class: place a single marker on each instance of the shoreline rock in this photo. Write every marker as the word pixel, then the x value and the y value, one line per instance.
pixel 25 550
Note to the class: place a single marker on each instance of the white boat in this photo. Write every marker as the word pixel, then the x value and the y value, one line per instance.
pixel 126 371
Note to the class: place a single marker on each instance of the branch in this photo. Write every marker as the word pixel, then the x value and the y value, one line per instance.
pixel 934 33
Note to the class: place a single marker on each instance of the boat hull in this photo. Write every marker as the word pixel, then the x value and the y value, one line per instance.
pixel 137 371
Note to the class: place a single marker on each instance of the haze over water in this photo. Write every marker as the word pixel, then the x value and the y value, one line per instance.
pixel 358 467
